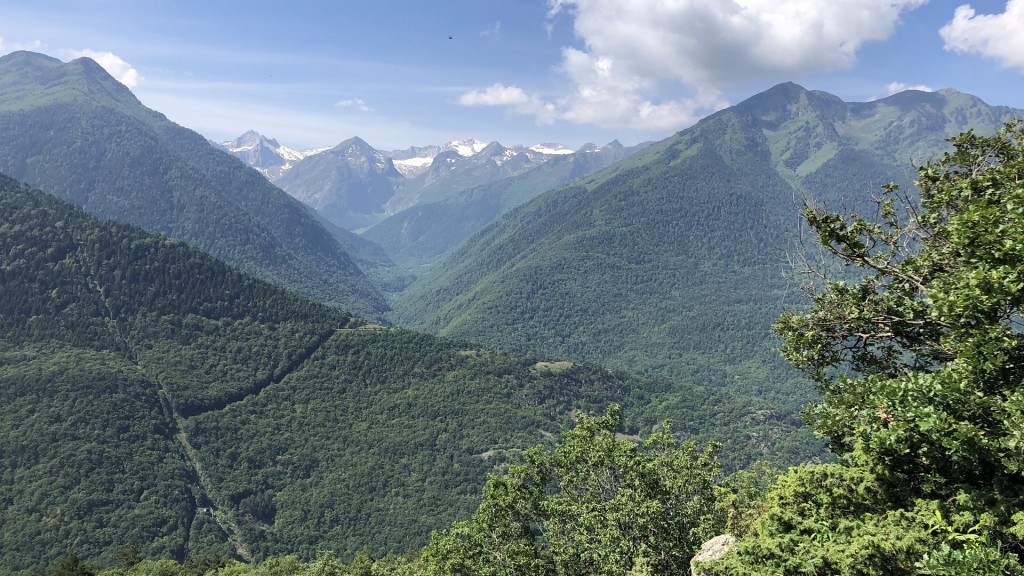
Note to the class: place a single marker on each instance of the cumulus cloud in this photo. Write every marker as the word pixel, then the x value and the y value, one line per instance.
pixel 996 36
pixel 114 65
pixel 513 97
pixel 894 87
pixel 697 47
pixel 354 103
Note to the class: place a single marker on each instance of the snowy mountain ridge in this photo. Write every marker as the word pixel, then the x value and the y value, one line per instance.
pixel 274 159
pixel 266 154
pixel 355 185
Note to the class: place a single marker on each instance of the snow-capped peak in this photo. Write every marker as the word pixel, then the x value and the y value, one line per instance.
pixel 266 154
pixel 293 155
pixel 501 154
pixel 465 147
pixel 415 160
pixel 248 141
pixel 547 148
pixel 273 159
pixel 251 139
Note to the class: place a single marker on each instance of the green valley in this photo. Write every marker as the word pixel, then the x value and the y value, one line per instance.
pixel 158 399
pixel 793 329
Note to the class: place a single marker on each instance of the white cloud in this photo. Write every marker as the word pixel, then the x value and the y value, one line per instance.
pixel 496 95
pixel 894 87
pixel 513 97
pixel 354 103
pixel 997 36
pixel 114 65
pixel 622 71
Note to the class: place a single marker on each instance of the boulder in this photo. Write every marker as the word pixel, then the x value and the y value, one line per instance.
pixel 713 549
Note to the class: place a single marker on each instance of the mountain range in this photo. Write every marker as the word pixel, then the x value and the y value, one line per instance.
pixel 422 235
pixel 348 184
pixel 191 359
pixel 77 132
pixel 355 186
pixel 674 260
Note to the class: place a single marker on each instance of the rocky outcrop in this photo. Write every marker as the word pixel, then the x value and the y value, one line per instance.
pixel 711 550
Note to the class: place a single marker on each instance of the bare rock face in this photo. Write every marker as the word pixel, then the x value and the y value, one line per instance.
pixel 711 550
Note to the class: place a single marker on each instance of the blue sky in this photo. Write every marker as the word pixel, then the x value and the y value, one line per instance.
pixel 401 73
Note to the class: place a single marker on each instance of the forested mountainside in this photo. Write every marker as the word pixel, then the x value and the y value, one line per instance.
pixel 674 260
pixel 421 235
pixel 76 132
pixel 914 338
pixel 154 398
pixel 371 258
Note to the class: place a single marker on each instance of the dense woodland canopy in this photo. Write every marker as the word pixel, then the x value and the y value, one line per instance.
pixel 158 400
pixel 917 352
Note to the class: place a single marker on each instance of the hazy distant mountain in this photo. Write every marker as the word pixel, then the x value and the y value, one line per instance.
pixel 266 154
pixel 422 235
pixel 355 186
pixel 455 170
pixel 349 184
pixel 414 160
pixel 674 259
pixel 80 134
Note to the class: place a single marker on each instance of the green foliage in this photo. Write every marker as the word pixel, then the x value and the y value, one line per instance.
pixel 594 504
pixel 920 359
pixel 740 496
pixel 599 275
pixel 205 331
pixel 72 565
pixel 931 334
pixel 841 519
pixel 89 462
pixel 345 471
pixel 156 398
pixel 325 564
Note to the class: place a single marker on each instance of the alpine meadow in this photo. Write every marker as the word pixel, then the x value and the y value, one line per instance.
pixel 269 307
